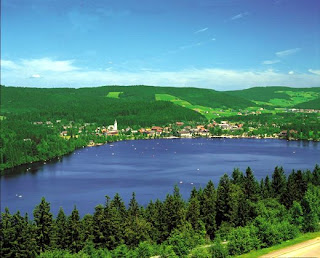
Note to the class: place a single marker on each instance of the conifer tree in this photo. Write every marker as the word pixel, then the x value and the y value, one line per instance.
pixel 278 183
pixel 223 200
pixel 133 210
pixel 7 235
pixel 74 231
pixel 44 224
pixel 193 212
pixel 250 185
pixel 61 230
pixel 208 209
pixel 174 211
pixel 99 227
pixel 316 175
pixel 267 188
pixel 237 177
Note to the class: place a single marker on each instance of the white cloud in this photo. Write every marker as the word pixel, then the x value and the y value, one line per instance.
pixel 47 64
pixel 213 39
pixel 35 76
pixel 215 78
pixel 239 16
pixel 287 52
pixel 270 62
pixel 7 64
pixel 201 30
pixel 317 72
pixel 291 72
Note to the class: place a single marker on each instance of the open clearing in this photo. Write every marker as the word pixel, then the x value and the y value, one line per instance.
pixel 114 94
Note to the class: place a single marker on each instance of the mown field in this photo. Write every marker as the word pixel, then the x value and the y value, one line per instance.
pixel 271 97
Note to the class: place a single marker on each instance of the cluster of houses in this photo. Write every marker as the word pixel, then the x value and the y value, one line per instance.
pixel 297 110
pixel 179 127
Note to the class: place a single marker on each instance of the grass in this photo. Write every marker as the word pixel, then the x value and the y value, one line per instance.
pixel 297 240
pixel 2 118
pixel 208 112
pixel 114 94
pixel 295 98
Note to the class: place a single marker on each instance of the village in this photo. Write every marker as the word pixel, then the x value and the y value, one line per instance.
pixel 97 135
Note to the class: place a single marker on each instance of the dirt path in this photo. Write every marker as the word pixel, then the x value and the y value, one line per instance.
pixel 310 248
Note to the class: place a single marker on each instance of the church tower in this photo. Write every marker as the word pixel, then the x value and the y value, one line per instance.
pixel 115 126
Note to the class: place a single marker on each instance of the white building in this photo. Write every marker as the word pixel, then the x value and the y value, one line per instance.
pixel 113 127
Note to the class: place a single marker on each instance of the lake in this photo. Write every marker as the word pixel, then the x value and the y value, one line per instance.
pixel 150 168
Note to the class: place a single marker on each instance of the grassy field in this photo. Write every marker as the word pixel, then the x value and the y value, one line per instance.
pixel 208 112
pixel 114 94
pixel 278 96
pixel 294 241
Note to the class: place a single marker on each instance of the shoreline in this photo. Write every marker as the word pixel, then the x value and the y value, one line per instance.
pixel 43 162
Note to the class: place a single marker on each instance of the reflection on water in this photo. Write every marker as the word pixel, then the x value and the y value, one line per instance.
pixel 150 168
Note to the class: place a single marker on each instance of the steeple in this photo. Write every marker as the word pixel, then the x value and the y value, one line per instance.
pixel 115 126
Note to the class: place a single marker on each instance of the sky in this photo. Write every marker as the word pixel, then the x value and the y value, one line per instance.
pixel 216 44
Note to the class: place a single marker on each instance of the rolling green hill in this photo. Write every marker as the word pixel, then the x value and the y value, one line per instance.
pixel 147 105
pixel 312 104
pixel 90 105
pixel 279 96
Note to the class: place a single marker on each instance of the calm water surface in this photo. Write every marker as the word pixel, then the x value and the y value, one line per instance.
pixel 150 168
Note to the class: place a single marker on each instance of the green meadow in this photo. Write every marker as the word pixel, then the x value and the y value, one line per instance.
pixel 114 94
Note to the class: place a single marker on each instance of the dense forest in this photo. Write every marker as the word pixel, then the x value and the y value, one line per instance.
pixel 239 215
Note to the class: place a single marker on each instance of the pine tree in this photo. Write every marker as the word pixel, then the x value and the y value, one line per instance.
pixel 237 177
pixel 223 200
pixel 278 183
pixel 316 175
pixel 267 188
pixel 44 224
pixel 154 215
pixel 208 202
pixel 7 234
pixel 250 185
pixel 99 227
pixel 133 210
pixel 74 231
pixel 174 211
pixel 193 211
pixel 61 230
pixel 137 229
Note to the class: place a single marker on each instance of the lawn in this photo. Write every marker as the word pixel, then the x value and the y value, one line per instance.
pixel 114 94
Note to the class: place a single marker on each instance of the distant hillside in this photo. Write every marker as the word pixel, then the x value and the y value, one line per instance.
pixel 130 104
pixel 147 105
pixel 90 105
pixel 195 96
pixel 312 104
pixel 278 96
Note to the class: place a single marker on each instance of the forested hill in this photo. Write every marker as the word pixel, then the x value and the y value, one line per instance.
pixel 92 105
pixel 120 98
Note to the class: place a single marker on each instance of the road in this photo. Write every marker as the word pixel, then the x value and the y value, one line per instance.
pixel 310 248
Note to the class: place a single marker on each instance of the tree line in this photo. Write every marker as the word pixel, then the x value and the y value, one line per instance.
pixel 242 212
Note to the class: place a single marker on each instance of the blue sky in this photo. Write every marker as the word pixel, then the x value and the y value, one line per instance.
pixel 218 44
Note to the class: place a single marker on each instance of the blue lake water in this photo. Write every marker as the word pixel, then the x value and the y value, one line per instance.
pixel 150 168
